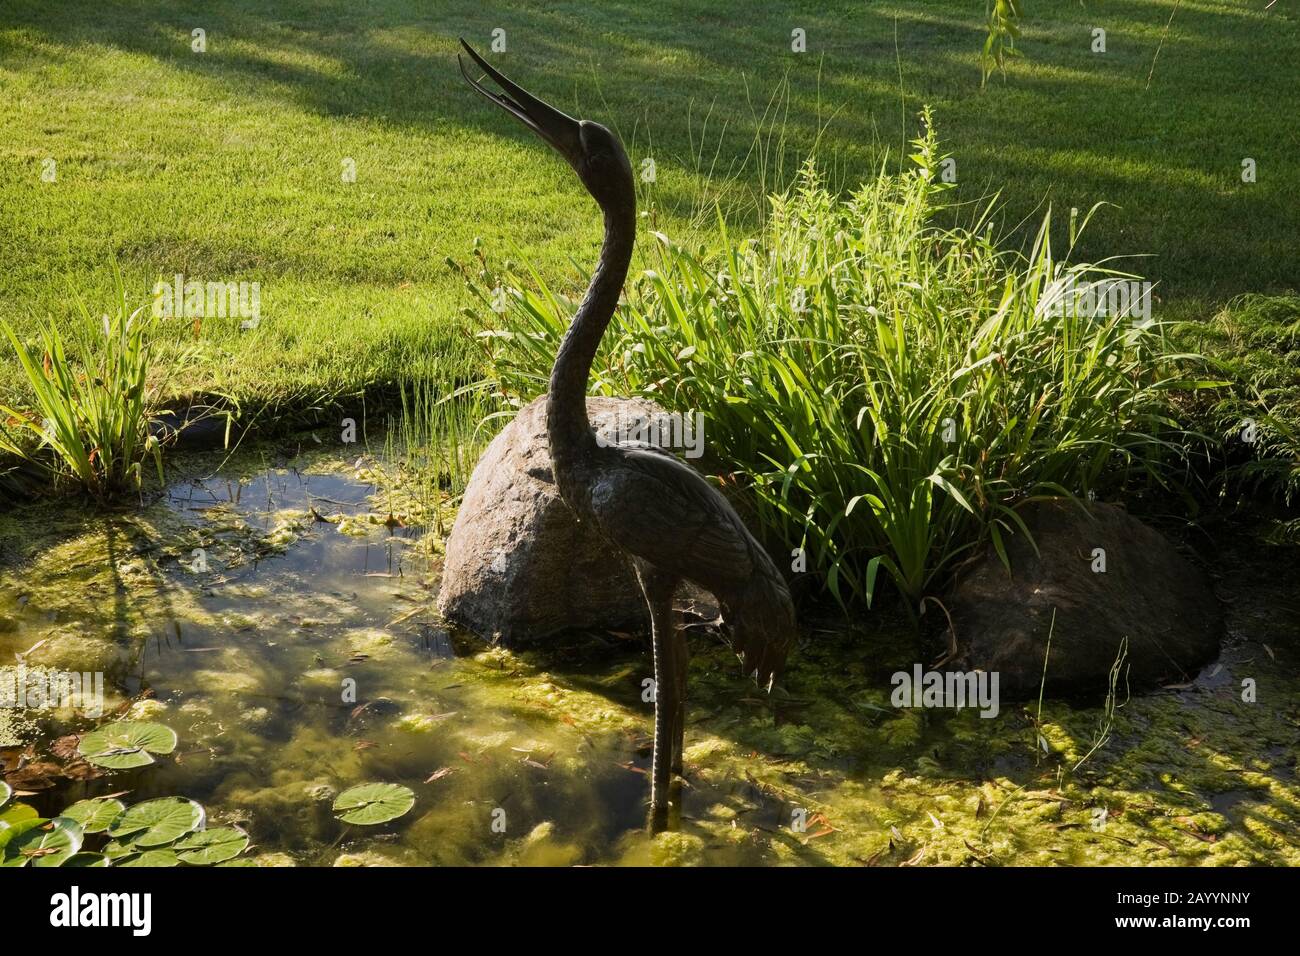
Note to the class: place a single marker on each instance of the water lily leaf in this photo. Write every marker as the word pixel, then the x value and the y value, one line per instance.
pixel 158 822
pixel 87 859
pixel 370 803
pixel 116 849
pixel 14 824
pixel 239 861
pixel 209 847
pixel 126 744
pixel 151 858
pixel 95 816
pixel 6 792
pixel 49 843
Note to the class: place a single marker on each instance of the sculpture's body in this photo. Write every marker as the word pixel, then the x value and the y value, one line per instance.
pixel 672 523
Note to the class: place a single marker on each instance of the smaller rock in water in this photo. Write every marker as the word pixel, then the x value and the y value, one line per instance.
pixel 519 567
pixel 1107 577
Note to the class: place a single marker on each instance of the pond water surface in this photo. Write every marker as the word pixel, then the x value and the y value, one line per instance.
pixel 279 616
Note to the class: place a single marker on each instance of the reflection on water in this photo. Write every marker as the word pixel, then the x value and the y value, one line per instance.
pixel 280 620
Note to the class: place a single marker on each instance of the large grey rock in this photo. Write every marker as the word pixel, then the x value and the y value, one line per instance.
pixel 1148 593
pixel 519 568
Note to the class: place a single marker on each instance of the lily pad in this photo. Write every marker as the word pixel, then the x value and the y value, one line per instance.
pixel 17 824
pixel 95 816
pixel 126 744
pixel 159 822
pixel 209 847
pixel 151 858
pixel 368 804
pixel 16 814
pixel 87 859
pixel 49 843
pixel 6 792
pixel 117 849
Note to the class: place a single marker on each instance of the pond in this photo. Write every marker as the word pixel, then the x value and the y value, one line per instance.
pixel 277 611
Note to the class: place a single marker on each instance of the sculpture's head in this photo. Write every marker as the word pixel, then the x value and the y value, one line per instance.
pixel 595 153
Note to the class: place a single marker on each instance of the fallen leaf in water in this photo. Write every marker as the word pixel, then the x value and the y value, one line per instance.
pixel 440 773
pixel 1270 652
pixel 10 758
pixel 38 775
pixel 364 745
pixel 629 765
pixel 65 748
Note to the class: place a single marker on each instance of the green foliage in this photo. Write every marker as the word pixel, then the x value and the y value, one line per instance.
pixel 890 390
pixel 93 405
pixel 1003 29
pixel 1254 344
pixel 95 816
pixel 169 831
pixel 126 744
pixel 368 804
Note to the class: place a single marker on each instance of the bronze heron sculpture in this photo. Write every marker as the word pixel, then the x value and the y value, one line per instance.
pixel 651 506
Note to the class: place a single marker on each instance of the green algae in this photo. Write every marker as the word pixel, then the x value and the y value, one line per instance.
pixel 304 656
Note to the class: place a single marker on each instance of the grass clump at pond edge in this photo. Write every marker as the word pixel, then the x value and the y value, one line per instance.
pixel 96 404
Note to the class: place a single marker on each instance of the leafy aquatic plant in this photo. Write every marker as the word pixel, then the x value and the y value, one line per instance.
pixel 96 394
pixel 169 831
pixel 126 744
pixel 889 390
pixel 368 804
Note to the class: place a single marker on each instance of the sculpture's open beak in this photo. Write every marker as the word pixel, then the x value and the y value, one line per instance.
pixel 558 129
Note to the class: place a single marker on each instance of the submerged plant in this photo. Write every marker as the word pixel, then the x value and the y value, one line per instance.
pixel 889 390
pixel 95 403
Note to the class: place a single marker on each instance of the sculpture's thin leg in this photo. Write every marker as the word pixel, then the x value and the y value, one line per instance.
pixel 658 592
pixel 681 658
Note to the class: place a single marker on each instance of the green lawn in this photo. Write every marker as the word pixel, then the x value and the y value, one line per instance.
pixel 226 165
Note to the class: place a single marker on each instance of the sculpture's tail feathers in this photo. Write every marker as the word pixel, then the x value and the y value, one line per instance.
pixel 763 630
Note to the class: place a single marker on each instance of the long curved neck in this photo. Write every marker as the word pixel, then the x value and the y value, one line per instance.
pixel 567 426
